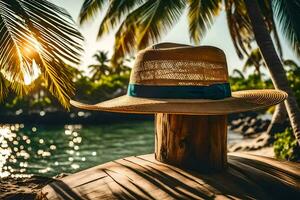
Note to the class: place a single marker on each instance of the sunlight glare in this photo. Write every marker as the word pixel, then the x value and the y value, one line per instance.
pixel 29 78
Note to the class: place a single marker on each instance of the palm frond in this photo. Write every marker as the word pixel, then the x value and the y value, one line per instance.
pixel 157 18
pixel 240 74
pixel 90 9
pixel 19 88
pixel 287 14
pixel 254 59
pixel 58 81
pixel 291 63
pixel 101 56
pixel 268 13
pixel 239 26
pixel 39 31
pixel 15 39
pixel 124 39
pixel 201 14
pixel 3 87
pixel 116 10
pixel 276 38
pixel 146 24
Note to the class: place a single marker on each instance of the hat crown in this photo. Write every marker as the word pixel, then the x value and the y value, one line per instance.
pixel 175 64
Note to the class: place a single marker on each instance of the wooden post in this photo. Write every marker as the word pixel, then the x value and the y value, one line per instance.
pixel 192 141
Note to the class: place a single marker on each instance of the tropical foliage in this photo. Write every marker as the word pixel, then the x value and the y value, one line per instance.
pixel 106 86
pixel 286 146
pixel 140 22
pixel 254 60
pixel 293 75
pixel 253 81
pixel 238 81
pixel 36 39
pixel 101 68
pixel 288 16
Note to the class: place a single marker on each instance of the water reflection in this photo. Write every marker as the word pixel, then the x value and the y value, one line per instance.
pixel 13 148
pixel 17 148
pixel 50 150
pixel 26 150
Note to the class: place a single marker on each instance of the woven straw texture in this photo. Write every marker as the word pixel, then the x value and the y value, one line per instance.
pixel 180 66
pixel 175 65
pixel 239 102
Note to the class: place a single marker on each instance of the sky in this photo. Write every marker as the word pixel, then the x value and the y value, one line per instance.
pixel 217 36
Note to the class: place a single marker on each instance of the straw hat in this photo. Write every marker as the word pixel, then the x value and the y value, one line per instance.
pixel 182 79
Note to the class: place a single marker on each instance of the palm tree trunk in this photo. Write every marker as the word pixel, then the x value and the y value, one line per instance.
pixel 278 123
pixel 273 63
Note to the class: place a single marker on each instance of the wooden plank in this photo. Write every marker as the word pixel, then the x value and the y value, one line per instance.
pixel 217 182
pixel 142 177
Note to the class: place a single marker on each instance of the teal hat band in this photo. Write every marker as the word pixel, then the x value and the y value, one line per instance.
pixel 215 91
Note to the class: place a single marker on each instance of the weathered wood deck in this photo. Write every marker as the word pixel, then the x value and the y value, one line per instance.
pixel 142 177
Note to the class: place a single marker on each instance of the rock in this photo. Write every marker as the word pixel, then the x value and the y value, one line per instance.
pixel 258 122
pixel 239 128
pixel 250 131
pixel 247 119
pixel 245 128
pixel 257 129
pixel 236 124
pixel 252 122
pixel 264 126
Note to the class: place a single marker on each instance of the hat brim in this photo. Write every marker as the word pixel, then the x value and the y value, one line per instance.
pixel 241 101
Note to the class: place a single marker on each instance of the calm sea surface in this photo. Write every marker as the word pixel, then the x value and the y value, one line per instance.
pixel 50 150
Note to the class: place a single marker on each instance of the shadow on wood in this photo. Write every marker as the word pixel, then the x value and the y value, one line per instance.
pixel 142 177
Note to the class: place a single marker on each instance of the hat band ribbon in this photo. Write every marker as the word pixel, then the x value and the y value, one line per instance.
pixel 215 91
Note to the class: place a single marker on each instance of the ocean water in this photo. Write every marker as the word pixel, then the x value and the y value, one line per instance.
pixel 27 150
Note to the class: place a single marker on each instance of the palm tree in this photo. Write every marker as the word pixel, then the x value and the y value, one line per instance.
pixel 121 66
pixel 254 60
pixel 268 51
pixel 239 73
pixel 143 22
pixel 102 68
pixel 37 38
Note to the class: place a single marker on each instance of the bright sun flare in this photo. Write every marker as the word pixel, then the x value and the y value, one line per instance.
pixel 29 78
pixel 27 50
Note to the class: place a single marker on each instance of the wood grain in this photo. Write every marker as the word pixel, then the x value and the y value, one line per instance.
pixel 192 141
pixel 143 177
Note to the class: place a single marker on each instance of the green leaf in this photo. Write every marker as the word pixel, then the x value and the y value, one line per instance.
pixel 90 9
pixel 116 10
pixel 201 14
pixel 146 24
pixel 3 87
pixel 287 14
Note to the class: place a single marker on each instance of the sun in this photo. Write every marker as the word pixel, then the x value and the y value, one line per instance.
pixel 30 77
pixel 28 51
pixel 31 47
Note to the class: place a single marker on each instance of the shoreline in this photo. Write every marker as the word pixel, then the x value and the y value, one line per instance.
pixel 90 117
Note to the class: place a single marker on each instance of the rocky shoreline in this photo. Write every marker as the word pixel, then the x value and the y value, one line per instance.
pixel 248 124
